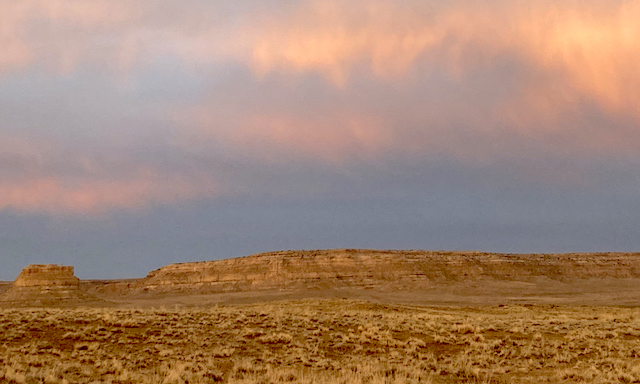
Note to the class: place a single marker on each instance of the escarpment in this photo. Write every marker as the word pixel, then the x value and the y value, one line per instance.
pixel 382 269
pixel 412 276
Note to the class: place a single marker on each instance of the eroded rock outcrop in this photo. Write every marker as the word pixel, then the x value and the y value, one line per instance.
pixel 47 276
pixel 372 274
pixel 46 284
pixel 383 269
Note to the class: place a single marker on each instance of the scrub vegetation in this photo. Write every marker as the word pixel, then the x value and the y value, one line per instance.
pixel 321 341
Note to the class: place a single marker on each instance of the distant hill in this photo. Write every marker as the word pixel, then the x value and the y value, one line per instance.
pixel 410 276
pixel 46 285
pixel 367 268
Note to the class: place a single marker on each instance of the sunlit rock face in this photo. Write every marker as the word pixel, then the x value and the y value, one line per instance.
pixel 382 269
pixel 47 285
pixel 47 276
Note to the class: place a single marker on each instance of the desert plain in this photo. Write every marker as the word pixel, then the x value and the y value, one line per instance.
pixel 331 316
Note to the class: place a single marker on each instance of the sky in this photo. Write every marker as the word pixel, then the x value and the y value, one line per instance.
pixel 139 133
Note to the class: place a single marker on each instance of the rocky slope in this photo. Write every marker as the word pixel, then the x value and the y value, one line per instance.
pixel 382 269
pixel 4 286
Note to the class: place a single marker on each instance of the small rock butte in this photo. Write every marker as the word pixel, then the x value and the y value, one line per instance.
pixel 47 285
pixel 47 276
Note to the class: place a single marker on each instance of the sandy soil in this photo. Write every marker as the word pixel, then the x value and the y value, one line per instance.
pixel 539 291
pixel 321 341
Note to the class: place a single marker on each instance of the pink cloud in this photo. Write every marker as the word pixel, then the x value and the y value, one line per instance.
pixel 59 194
pixel 332 137
pixel 580 53
pixel 58 36
pixel 44 177
pixel 593 44
pixel 576 53
pixel 594 47
pixel 15 52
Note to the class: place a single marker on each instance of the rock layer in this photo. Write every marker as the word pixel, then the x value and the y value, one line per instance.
pixel 398 276
pixel 39 285
pixel 385 269
pixel 47 276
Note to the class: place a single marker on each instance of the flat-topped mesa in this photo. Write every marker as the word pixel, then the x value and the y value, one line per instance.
pixel 47 285
pixel 47 276
pixel 391 269
pixel 286 270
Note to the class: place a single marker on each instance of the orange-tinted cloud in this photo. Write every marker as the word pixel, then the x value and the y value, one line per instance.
pixel 56 35
pixel 594 44
pixel 44 177
pixel 331 137
pixel 332 37
pixel 595 47
pixel 59 194
pixel 578 53
pixel 15 51
pixel 390 37
pixel 574 56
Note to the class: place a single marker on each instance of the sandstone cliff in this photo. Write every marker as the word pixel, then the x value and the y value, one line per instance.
pixel 417 277
pixel 384 269
pixel 46 285
pixel 47 276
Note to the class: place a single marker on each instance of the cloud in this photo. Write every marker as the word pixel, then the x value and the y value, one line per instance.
pixel 50 178
pixel 58 35
pixel 14 50
pixel 365 83
pixel 58 194
pixel 277 137
pixel 593 43
pixel 595 47
pixel 575 87
pixel 334 37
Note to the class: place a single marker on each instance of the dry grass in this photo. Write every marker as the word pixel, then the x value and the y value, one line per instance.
pixel 321 341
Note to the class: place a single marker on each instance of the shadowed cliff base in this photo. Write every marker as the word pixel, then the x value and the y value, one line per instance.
pixel 412 277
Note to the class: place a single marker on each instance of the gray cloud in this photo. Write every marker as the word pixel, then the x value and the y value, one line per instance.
pixel 153 132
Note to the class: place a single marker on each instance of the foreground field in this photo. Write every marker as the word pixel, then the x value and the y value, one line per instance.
pixel 321 341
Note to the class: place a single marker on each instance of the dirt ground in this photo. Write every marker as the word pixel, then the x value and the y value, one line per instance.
pixel 321 341
pixel 479 331
pixel 537 291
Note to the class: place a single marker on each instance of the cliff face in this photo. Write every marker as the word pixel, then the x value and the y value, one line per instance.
pixel 361 272
pixel 46 285
pixel 369 269
pixel 47 276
